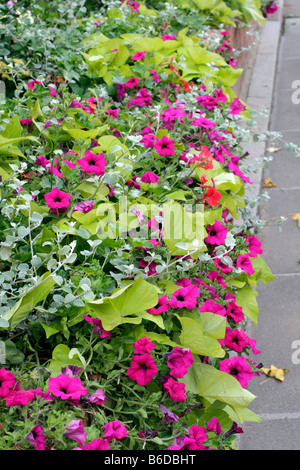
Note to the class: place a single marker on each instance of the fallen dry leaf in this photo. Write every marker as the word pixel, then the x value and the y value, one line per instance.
pixel 297 217
pixel 275 372
pixel 268 183
pixel 273 149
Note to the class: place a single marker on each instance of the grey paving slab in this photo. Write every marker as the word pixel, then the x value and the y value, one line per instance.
pixel 291 8
pixel 277 403
pixel 285 114
pixel 271 435
pixel 284 169
pixel 281 244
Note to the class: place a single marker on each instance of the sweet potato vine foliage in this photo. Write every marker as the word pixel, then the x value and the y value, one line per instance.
pixel 125 279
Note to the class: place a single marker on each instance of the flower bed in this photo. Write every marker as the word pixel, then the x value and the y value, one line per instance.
pixel 126 281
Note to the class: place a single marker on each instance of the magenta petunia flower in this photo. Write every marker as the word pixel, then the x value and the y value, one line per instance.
pixel 214 307
pixel 235 339
pixel 143 345
pixel 75 431
pixel 84 206
pixel 149 177
pixel 7 381
pixel 245 264
pixel 161 306
pixel 96 444
pixel 175 389
pixel 25 122
pixel 216 233
pixel 238 367
pixel 37 438
pixel 92 163
pixel 114 430
pixel 165 146
pixel 58 201
pixel 179 360
pixel 215 276
pixel 254 246
pixel 139 55
pixel 98 328
pixel 32 83
pixel 131 83
pixel 271 8
pixel 97 398
pixel 185 297
pixel 214 426
pixel 148 140
pixel 142 369
pixel 197 435
pixel 18 397
pixel 236 107
pixel 155 76
pixel 66 388
pixel 233 310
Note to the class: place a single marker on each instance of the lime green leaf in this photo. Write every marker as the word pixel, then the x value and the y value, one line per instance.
pixel 62 356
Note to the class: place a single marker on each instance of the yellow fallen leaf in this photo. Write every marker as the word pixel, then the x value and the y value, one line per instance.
pixel 273 149
pixel 275 372
pixel 296 216
pixel 268 183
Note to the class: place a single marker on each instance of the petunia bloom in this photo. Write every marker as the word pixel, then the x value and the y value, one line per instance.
pixel 97 398
pixel 75 431
pixel 142 369
pixel 238 367
pixel 114 430
pixel 216 233
pixel 186 297
pixel 58 201
pixel 66 388
pixel 96 444
pixel 7 381
pixel 84 206
pixel 149 177
pixel 143 345
pixel 139 55
pixel 179 360
pixel 92 163
pixel 98 328
pixel 36 437
pixel 165 146
pixel 161 306
pixel 175 389
pixel 244 262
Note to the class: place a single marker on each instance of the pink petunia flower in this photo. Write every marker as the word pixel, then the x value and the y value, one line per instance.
pixel 96 444
pixel 114 430
pixel 18 397
pixel 75 431
pixel 186 297
pixel 214 426
pixel 143 345
pixel 149 177
pixel 84 206
pixel 7 381
pixel 131 83
pixel 66 388
pixel 254 246
pixel 179 360
pixel 236 107
pixel 211 306
pixel 58 201
pixel 216 233
pixel 37 438
pixel 176 390
pixel 238 367
pixel 139 55
pixel 97 398
pixel 244 262
pixel 161 306
pixel 98 328
pixel 197 435
pixel 142 369
pixel 92 163
pixel 165 146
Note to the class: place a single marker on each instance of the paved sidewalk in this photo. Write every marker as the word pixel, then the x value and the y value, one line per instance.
pixel 278 328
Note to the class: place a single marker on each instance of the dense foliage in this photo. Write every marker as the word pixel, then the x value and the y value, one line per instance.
pixel 129 260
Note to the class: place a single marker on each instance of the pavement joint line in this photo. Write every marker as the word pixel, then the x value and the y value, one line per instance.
pixel 286 274
pixel 276 416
